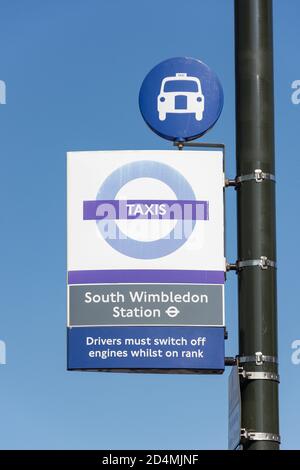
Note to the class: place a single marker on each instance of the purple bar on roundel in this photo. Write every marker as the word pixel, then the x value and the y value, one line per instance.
pixel 145 209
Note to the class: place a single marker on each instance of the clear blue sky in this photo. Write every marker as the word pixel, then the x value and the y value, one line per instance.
pixel 73 69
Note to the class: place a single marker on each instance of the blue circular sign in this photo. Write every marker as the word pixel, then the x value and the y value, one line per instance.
pixel 181 99
pixel 149 249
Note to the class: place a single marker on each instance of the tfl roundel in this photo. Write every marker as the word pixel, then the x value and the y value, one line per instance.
pixel 181 99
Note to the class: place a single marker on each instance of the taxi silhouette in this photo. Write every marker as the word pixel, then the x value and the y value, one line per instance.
pixel 180 94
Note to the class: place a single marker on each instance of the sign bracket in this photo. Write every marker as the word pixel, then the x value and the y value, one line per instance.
pixel 181 144
pixel 259 358
pixel 263 262
pixel 230 361
pixel 258 176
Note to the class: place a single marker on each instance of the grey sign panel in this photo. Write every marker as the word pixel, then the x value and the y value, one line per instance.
pixel 146 304
pixel 234 410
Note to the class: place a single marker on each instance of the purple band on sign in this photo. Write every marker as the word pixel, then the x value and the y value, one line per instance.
pixel 146 276
pixel 145 209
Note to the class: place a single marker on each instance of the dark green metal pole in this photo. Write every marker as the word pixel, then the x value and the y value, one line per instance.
pixel 256 220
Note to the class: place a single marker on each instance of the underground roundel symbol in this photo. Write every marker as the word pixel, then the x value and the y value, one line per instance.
pixel 146 249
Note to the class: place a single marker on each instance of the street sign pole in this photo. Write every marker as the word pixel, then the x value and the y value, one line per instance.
pixel 256 224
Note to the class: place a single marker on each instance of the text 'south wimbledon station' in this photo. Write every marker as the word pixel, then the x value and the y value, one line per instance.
pixel 146 264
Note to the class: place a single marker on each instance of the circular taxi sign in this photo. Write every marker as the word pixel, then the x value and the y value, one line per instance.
pixel 181 99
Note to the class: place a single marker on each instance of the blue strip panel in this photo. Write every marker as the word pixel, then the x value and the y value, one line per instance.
pixel 142 347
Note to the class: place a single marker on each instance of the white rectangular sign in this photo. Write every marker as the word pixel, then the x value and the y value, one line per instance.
pixel 146 252
pixel 140 176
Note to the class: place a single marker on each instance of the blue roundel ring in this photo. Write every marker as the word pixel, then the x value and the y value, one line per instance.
pixel 152 249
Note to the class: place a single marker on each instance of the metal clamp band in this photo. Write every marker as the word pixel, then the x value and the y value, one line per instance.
pixel 251 375
pixel 258 176
pixel 259 358
pixel 259 436
pixel 263 262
